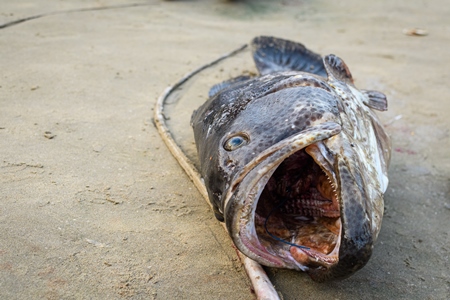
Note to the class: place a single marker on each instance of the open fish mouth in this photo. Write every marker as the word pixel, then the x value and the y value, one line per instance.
pixel 298 211
pixel 285 211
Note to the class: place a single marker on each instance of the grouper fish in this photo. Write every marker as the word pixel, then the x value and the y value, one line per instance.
pixel 295 161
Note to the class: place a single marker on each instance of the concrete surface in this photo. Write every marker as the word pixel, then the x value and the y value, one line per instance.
pixel 93 206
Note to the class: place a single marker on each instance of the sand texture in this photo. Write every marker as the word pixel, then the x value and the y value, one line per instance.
pixel 93 205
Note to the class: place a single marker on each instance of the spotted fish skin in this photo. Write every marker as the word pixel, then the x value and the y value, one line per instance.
pixel 222 116
pixel 300 102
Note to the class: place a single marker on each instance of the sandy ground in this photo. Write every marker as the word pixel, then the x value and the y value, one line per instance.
pixel 93 206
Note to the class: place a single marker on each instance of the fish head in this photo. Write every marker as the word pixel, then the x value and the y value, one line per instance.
pixel 298 183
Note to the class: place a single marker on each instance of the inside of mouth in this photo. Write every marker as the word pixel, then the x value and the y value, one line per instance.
pixel 298 211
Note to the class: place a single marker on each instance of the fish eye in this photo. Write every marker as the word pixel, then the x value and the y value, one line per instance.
pixel 236 142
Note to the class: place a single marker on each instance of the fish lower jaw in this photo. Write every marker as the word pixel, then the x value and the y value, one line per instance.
pixel 281 255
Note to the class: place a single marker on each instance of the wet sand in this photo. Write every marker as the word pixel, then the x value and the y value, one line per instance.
pixel 93 206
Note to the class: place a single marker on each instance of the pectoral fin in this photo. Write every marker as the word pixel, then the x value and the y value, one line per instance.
pixel 337 69
pixel 377 100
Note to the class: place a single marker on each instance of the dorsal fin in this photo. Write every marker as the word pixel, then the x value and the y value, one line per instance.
pixel 337 69
pixel 274 55
pixel 377 100
pixel 224 84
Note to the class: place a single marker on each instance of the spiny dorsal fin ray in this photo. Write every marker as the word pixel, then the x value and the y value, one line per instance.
pixel 275 55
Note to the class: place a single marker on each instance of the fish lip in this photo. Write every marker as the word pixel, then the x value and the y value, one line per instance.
pixel 240 211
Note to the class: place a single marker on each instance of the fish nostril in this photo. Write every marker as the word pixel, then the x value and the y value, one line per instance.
pixel 230 163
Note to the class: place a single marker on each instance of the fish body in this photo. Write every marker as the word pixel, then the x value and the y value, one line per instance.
pixel 295 161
